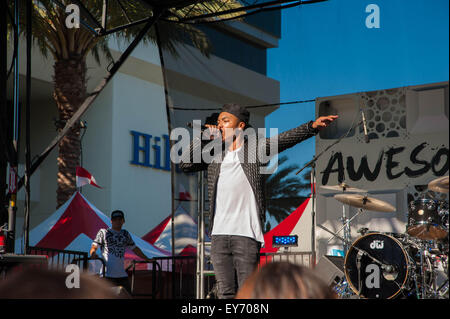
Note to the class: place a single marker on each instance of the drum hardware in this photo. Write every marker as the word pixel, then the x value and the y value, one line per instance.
pixel 413 264
pixel 345 221
pixel 343 290
pixel 442 291
pixel 334 234
pixel 382 267
pixel 362 231
pixel 389 271
pixel 432 285
pixel 346 226
pixel 358 269
pixel 420 280
pixel 360 202
pixel 423 272
pixel 434 281
pixel 342 287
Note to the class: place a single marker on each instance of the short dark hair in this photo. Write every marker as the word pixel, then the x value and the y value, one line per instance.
pixel 237 110
pixel 117 213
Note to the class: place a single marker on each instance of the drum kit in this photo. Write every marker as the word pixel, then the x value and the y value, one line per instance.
pixel 381 265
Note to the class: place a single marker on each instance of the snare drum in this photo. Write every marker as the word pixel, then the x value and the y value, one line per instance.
pixel 377 267
pixel 424 220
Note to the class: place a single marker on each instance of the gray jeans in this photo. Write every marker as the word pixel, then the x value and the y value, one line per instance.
pixel 234 258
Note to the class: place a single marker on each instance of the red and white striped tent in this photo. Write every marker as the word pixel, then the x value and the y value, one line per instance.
pixel 186 232
pixel 291 225
pixel 74 225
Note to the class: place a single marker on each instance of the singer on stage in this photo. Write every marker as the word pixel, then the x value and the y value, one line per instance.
pixel 236 192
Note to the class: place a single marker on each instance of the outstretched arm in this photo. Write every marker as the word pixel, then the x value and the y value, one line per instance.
pixel 300 133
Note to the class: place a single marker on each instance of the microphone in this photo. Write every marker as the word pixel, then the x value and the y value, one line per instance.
pixel 366 136
pixel 203 129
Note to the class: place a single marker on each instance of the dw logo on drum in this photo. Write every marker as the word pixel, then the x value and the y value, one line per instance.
pixel 377 244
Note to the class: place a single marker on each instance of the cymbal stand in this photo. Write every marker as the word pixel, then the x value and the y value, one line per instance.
pixel 347 230
pixel 346 226
pixel 422 272
pixel 358 267
pixel 332 233
pixel 427 289
pixel 442 291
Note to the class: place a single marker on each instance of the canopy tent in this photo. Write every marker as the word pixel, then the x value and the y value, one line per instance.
pixel 186 232
pixel 289 226
pixel 74 225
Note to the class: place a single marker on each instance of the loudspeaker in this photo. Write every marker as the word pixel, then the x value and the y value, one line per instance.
pixel 330 269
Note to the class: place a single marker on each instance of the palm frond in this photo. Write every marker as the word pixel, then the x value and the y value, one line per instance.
pixel 51 34
pixel 283 190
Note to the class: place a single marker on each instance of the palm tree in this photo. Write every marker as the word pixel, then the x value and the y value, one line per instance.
pixel 283 191
pixel 70 47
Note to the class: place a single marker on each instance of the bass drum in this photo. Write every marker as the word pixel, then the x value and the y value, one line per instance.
pixel 377 267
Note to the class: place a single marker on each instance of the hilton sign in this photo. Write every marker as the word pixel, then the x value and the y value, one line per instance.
pixel 148 151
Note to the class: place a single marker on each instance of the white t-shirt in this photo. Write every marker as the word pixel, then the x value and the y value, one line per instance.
pixel 113 244
pixel 236 208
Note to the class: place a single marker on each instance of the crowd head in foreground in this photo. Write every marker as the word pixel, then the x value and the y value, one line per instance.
pixel 284 280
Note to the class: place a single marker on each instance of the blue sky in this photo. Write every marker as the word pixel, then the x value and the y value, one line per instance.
pixel 326 50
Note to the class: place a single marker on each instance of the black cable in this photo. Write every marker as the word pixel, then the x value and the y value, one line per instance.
pixel 246 106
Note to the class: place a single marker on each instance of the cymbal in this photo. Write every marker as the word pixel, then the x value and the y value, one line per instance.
pixel 439 185
pixel 365 202
pixel 344 188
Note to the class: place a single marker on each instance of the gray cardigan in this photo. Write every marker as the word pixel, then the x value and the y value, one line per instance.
pixel 251 168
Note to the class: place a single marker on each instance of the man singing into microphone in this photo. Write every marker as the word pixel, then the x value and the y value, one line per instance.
pixel 236 192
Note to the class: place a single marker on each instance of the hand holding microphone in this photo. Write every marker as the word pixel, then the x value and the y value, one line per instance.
pixel 213 130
